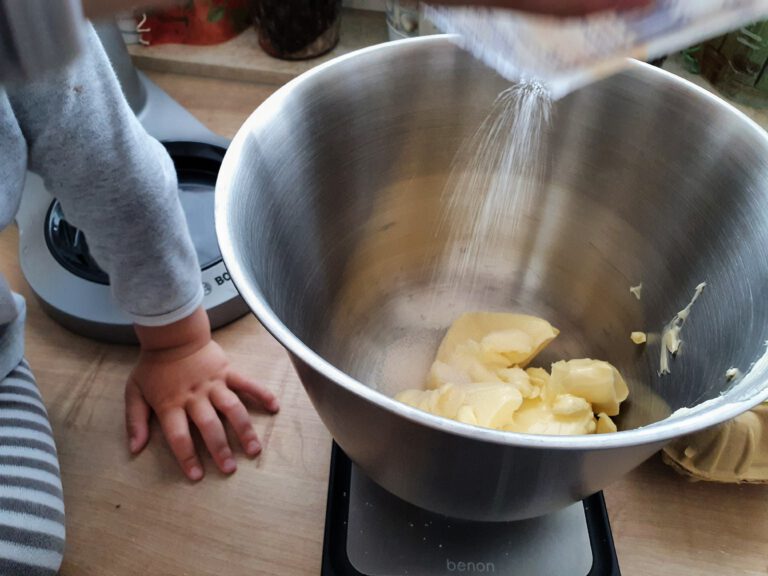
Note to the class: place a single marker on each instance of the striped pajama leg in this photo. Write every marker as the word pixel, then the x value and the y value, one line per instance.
pixel 31 504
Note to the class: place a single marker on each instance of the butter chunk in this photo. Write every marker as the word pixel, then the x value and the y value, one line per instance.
pixel 441 373
pixel 732 373
pixel 514 345
pixel 537 417
pixel 478 345
pixel 446 401
pixel 451 400
pixel 491 405
pixel 596 381
pixel 494 405
pixel 497 329
pixel 480 378
pixel 539 377
pixel 518 378
pixel 569 405
pixel 467 416
pixel 468 363
pixel 605 425
pixel 639 337
pixel 422 399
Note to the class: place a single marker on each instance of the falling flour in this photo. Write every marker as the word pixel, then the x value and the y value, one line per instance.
pixel 495 177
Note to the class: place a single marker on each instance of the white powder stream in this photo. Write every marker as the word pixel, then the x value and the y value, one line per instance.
pixel 495 177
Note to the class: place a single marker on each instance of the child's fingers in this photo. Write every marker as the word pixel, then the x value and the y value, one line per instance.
pixel 243 385
pixel 211 429
pixel 137 413
pixel 176 430
pixel 227 402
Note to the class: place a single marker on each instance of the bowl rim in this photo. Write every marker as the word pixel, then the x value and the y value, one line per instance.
pixel 657 432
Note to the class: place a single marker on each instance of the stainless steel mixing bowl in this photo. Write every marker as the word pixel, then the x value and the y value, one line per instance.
pixel 327 212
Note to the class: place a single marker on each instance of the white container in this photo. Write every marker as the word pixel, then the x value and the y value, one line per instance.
pixel 567 53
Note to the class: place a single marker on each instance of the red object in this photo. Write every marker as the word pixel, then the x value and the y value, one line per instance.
pixel 200 22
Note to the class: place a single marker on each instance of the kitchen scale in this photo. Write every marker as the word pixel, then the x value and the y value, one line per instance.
pixel 54 255
pixel 369 532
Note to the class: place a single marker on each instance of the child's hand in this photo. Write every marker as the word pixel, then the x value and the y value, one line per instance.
pixel 182 375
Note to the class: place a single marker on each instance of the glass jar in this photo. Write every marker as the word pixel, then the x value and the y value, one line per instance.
pixel 297 29
pixel 736 64
pixel 402 18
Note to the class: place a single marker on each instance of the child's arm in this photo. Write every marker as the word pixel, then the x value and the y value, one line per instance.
pixel 118 185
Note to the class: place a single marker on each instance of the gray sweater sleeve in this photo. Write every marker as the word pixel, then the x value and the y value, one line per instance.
pixel 37 36
pixel 115 183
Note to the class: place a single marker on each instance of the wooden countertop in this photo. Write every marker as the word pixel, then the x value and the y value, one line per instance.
pixel 127 517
